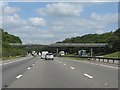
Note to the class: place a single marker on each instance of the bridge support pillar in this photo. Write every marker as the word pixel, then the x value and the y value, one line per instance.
pixel 57 51
pixel 91 51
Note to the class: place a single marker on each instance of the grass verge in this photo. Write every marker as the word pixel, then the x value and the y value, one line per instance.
pixel 13 57
pixel 113 55
pixel 79 58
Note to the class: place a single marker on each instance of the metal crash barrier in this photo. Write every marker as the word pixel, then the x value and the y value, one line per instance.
pixel 103 59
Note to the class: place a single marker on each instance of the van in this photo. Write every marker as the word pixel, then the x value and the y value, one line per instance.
pixel 43 54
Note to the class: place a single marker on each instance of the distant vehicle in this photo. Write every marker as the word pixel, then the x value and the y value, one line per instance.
pixel 39 54
pixel 61 53
pixel 82 53
pixel 49 56
pixel 34 53
pixel 43 54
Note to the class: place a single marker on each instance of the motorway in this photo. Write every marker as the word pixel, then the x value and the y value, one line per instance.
pixel 35 72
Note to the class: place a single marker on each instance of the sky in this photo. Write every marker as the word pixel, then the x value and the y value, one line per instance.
pixel 49 22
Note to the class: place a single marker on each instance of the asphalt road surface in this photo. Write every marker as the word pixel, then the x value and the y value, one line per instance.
pixel 59 73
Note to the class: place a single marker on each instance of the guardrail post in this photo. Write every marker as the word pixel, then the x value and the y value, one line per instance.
pixel 113 61
pixel 103 60
pixel 99 59
pixel 108 60
pixel 88 58
pixel 95 59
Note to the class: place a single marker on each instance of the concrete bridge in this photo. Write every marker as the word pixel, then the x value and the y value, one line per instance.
pixel 64 44
pixel 58 45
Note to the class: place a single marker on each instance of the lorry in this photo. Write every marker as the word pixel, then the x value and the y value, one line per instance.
pixel 61 53
pixel 43 54
pixel 82 53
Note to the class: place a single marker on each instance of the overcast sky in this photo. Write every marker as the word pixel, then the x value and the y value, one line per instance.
pixel 48 22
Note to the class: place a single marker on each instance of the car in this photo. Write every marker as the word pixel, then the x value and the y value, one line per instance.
pixel 49 56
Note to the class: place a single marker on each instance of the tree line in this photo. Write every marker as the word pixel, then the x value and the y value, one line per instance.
pixel 112 38
pixel 8 50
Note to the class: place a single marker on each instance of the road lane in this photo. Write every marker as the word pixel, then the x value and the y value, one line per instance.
pixel 12 70
pixel 103 74
pixel 53 74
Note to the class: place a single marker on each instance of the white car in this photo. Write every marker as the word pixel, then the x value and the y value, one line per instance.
pixel 49 56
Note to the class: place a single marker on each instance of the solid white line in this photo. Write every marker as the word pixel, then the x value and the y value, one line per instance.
pixel 7 63
pixel 101 65
pixel 72 67
pixel 14 61
pixel 87 75
pixel 60 62
pixel 108 66
pixel 19 76
pixel 28 68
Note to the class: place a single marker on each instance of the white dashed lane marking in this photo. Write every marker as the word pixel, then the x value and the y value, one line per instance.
pixel 89 76
pixel 64 64
pixel 28 68
pixel 72 67
pixel 19 76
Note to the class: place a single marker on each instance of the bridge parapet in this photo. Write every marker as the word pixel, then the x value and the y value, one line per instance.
pixel 79 44
pixel 64 44
pixel 15 44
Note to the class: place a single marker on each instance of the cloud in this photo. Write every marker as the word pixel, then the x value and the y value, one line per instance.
pixel 37 21
pixel 6 10
pixel 33 34
pixel 10 18
pixel 13 21
pixel 95 24
pixel 61 9
pixel 10 10
pixel 106 18
pixel 66 22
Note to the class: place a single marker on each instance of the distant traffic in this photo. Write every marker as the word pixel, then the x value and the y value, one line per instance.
pixel 46 55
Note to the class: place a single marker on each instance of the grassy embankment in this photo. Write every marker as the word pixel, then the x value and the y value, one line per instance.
pixel 113 55
pixel 6 58
pixel 74 58
pixel 12 57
